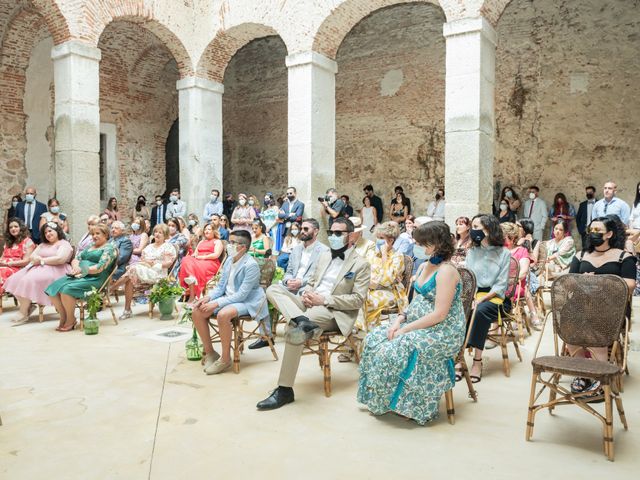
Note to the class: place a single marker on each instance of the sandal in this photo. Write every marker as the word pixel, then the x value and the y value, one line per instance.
pixel 578 385
pixel 476 378
pixel 458 371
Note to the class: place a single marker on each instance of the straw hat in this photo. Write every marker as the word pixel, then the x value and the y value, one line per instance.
pixel 357 224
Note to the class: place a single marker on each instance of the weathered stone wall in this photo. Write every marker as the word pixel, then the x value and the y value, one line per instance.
pixel 137 93
pixel 568 96
pixel 254 112
pixel 390 105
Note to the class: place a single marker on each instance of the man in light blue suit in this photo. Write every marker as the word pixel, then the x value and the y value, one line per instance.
pixel 237 294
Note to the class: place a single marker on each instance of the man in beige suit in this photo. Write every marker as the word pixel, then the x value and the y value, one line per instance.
pixel 330 302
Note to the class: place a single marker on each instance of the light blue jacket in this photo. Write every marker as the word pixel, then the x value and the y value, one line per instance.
pixel 247 287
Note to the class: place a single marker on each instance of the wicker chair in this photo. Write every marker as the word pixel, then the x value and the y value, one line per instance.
pixel 542 278
pixel 507 329
pixel 104 292
pixel 15 301
pixel 517 314
pixel 587 311
pixel 242 335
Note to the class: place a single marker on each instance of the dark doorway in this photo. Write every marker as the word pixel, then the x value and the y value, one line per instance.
pixel 172 158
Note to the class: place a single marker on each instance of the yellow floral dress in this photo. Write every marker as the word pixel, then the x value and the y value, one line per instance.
pixel 386 276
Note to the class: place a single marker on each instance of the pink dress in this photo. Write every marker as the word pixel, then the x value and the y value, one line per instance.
pixel 135 241
pixel 30 282
pixel 519 253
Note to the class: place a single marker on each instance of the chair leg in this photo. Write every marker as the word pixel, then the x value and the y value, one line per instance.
pixel 270 342
pixel 150 309
pixel 465 372
pixel 451 411
pixel 81 307
pixel 40 313
pixel 618 399
pixel 532 412
pixel 236 346
pixel 107 302
pixel 555 379
pixel 505 354
pixel 326 360
pixel 608 427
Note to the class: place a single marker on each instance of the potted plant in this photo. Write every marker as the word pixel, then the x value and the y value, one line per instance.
pixel 164 294
pixel 93 300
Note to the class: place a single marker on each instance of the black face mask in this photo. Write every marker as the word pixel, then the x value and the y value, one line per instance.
pixel 589 196
pixel 291 197
pixel 438 196
pixel 596 239
pixel 477 236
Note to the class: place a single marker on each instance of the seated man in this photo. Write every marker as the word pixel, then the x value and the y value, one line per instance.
pixel 330 302
pixel 124 246
pixel 237 294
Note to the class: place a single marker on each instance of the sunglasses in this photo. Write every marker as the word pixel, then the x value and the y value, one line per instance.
pixel 336 233
pixel 597 230
pixel 306 229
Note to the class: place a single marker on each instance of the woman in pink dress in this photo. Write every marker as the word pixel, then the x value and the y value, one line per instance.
pixel 139 239
pixel 17 250
pixel 48 262
pixel 197 269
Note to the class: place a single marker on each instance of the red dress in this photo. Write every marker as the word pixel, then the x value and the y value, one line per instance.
pixel 201 270
pixel 12 253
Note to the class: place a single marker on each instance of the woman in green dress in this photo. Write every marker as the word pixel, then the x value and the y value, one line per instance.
pixel 260 242
pixel 406 367
pixel 89 269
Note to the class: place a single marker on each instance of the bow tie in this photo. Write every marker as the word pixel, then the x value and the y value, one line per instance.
pixel 337 254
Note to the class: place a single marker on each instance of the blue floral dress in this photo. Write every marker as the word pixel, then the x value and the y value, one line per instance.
pixel 409 374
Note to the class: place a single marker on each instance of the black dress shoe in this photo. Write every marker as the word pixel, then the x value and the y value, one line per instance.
pixel 303 331
pixel 278 398
pixel 260 343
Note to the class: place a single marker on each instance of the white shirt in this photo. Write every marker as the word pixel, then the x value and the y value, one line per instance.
pixel 304 261
pixel 634 221
pixel 330 277
pixel 435 210
pixel 231 287
pixel 590 204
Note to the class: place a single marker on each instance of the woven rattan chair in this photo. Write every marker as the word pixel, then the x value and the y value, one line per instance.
pixel 104 293
pixel 241 333
pixel 469 287
pixel 542 279
pixel 506 331
pixel 8 295
pixel 517 314
pixel 587 311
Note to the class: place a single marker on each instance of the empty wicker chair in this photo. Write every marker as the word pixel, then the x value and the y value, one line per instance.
pixel 587 311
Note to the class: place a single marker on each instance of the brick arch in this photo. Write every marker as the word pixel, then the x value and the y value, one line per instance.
pixel 339 23
pixel 215 58
pixel 56 21
pixel 492 10
pixel 98 14
pixel 23 31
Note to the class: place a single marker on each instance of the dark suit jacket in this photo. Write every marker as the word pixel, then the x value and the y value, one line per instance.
pixel 154 215
pixel 125 249
pixel 581 218
pixel 39 209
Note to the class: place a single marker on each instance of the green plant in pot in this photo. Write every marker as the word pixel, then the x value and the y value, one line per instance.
pixel 93 300
pixel 164 294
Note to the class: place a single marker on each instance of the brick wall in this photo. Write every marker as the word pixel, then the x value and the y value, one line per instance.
pixel 390 105
pixel 254 112
pixel 137 93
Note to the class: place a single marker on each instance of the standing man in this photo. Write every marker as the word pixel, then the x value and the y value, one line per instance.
pixel 536 210
pixel 213 206
pixel 330 302
pixel 30 211
pixel 228 206
pixel 611 205
pixel 176 207
pixel 291 211
pixel 435 210
pixel 376 201
pixel 157 212
pixel 333 206
pixel 585 210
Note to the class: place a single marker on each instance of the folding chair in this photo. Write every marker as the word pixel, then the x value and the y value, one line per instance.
pixel 104 292
pixel 587 311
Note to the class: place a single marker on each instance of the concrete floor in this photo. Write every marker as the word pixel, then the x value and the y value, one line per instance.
pixel 117 405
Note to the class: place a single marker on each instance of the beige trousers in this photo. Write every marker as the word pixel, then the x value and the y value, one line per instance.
pixel 291 306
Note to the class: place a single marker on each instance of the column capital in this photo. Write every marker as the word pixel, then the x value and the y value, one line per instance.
pixel 77 48
pixel 313 58
pixel 470 25
pixel 201 83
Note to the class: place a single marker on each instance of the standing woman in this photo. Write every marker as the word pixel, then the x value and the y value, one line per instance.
pixel 11 211
pixel 18 247
pixel 512 199
pixel 504 213
pixel 562 211
pixel 141 209
pixel 269 217
pixel 243 215
pixel 112 210
pixel 139 239
pixel 400 209
pixel 369 218
pixel 490 262
pixel 54 215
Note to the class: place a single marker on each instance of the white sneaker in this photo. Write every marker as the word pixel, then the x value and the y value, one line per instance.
pixel 210 359
pixel 218 367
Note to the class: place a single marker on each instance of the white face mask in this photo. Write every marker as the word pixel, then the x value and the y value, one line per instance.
pixel 508 194
pixel 337 243
pixel 232 250
pixel 173 198
pixel 14 204
pixel 294 232
pixel 503 207
pixel 29 197
pixel 55 209
pixel 252 203
pixel 192 222
pixel 214 198
pixel 532 195
pixel 159 202
pixel 420 253
pixel 242 201
pixel 135 226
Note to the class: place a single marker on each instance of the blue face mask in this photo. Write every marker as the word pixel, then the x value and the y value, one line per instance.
pixel 337 243
pixel 380 243
pixel 420 253
pixel 29 197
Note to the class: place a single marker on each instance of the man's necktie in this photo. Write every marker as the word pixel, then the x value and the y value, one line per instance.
pixel 531 208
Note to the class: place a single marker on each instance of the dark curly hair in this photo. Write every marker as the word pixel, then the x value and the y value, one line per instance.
pixel 438 235
pixel 53 226
pixel 10 241
pixel 527 225
pixel 492 225
pixel 613 224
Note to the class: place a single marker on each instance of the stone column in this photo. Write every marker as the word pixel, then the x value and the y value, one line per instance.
pixel 469 117
pixel 200 140
pixel 77 131
pixel 312 127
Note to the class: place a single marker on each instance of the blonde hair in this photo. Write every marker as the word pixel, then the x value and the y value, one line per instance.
pixel 388 229
pixel 104 229
pixel 162 227
pixel 510 231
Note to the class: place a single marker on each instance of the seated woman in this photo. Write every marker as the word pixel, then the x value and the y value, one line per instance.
pixel 490 262
pixel 560 250
pixel 48 262
pixel 260 242
pixel 526 227
pixel 179 241
pixel 86 240
pixel 462 241
pixel 404 243
pixel 157 257
pixel 405 368
pixel 387 269
pixel 17 250
pixel 54 215
pixel 290 242
pixel 200 267
pixel 139 239
pixel 223 228
pixel 604 254
pixel 89 269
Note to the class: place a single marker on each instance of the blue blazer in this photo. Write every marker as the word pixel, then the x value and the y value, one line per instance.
pixel 291 212
pixel 247 287
pixel 39 209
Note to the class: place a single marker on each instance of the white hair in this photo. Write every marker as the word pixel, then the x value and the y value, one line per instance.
pixel 118 224
pixel 422 220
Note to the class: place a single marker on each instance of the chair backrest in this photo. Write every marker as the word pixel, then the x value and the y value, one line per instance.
pixel 514 274
pixel 107 280
pixel 267 269
pixel 175 260
pixel 469 287
pixel 408 272
pixel 542 253
pixel 588 310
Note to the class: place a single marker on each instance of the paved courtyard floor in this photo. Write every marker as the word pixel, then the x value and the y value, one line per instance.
pixel 124 405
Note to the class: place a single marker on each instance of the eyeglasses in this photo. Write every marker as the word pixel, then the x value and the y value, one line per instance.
pixel 336 233
pixel 306 229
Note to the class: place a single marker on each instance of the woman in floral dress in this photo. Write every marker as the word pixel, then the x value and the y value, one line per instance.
pixel 407 367
pixel 18 247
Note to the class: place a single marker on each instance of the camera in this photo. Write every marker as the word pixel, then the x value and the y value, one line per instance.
pixel 326 198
